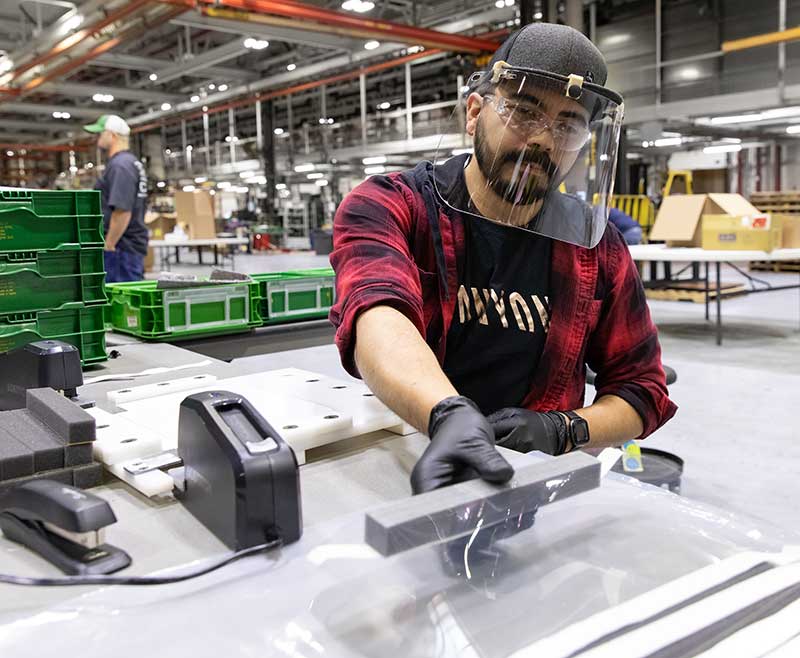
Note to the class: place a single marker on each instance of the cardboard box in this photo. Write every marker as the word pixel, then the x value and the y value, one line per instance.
pixel 149 260
pixel 678 221
pixel 758 232
pixel 159 224
pixel 791 230
pixel 196 211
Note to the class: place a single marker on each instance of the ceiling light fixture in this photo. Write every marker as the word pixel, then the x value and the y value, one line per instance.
pixel 302 168
pixel 358 6
pixel 322 183
pixel 255 44
pixel 668 141
pixel 279 131
pixel 374 160
pixel 222 87
pixel 385 105
pixel 194 98
pixel 315 175
pixel 166 107
pixel 153 77
pixel 372 45
pixel 161 184
pixel 291 67
pixel 369 171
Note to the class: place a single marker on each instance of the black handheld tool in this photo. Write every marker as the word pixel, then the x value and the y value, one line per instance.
pixel 62 524
pixel 42 364
pixel 240 477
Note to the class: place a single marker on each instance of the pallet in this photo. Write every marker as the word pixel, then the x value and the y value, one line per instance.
pixel 690 291
pixel 772 266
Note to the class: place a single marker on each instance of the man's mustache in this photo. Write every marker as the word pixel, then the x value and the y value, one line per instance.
pixel 531 157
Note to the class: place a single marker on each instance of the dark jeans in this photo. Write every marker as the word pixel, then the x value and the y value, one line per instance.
pixel 123 266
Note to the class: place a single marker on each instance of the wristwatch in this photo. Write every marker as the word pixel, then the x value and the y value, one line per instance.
pixel 577 429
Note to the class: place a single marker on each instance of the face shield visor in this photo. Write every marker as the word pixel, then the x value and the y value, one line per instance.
pixel 542 146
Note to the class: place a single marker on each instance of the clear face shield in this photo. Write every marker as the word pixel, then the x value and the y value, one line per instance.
pixel 534 133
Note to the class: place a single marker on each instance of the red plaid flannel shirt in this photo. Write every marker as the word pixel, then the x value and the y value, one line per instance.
pixel 388 251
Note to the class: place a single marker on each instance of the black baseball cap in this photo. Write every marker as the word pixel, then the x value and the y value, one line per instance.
pixel 556 50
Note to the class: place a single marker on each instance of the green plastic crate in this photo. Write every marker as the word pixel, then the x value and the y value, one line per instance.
pixel 21 229
pixel 74 323
pixel 39 280
pixel 53 203
pixel 143 310
pixel 297 295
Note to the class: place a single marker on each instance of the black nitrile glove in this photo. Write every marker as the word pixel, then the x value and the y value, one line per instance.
pixel 462 446
pixel 524 430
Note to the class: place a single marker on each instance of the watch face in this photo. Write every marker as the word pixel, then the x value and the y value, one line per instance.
pixel 580 432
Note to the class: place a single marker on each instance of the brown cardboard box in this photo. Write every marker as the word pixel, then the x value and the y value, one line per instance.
pixel 678 219
pixel 149 260
pixel 159 224
pixel 196 211
pixel 791 230
pixel 756 232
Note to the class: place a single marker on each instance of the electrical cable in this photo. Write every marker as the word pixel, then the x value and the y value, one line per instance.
pixel 74 581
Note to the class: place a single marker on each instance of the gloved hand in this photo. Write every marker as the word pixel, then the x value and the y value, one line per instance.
pixel 524 430
pixel 462 446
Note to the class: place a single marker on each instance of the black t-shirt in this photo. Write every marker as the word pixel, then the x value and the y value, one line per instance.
pixel 123 186
pixel 502 313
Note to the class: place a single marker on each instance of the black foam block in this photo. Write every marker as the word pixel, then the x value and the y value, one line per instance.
pixel 16 459
pixel 87 476
pixel 48 451
pixel 77 454
pixel 71 423
pixel 62 475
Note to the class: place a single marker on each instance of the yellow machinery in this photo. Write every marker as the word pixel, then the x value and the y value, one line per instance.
pixel 638 206
pixel 672 176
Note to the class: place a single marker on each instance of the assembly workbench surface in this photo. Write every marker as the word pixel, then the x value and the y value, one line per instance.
pixel 329 594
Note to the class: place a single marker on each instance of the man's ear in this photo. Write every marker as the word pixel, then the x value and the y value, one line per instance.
pixel 474 106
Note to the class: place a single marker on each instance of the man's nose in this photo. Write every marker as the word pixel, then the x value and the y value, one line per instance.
pixel 544 140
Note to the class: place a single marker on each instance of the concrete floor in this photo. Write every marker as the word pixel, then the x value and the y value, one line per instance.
pixel 737 427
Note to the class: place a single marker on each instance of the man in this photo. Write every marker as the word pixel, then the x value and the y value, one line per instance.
pixel 123 188
pixel 627 225
pixel 472 294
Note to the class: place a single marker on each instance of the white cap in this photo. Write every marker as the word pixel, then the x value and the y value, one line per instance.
pixel 110 122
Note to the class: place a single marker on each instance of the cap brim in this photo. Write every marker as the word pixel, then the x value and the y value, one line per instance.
pixel 94 128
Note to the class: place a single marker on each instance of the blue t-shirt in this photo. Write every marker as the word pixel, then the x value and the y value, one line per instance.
pixel 123 186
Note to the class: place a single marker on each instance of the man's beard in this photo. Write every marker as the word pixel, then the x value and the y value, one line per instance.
pixel 528 184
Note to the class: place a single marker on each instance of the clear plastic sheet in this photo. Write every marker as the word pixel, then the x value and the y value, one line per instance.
pixel 331 595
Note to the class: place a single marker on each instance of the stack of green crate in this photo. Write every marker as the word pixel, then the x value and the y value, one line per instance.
pixel 52 278
pixel 296 295
pixel 144 310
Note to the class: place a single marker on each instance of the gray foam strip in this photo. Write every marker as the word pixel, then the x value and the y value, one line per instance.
pixel 88 476
pixel 48 452
pixel 454 511
pixel 62 475
pixel 71 423
pixel 77 454
pixel 16 459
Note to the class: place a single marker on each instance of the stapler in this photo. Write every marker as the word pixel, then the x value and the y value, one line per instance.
pixel 64 525
pixel 41 364
pixel 240 478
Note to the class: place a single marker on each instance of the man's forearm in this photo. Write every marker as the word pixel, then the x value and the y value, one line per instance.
pixel 116 227
pixel 612 422
pixel 398 366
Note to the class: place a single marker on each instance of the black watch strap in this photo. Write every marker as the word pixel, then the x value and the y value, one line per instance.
pixel 577 429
